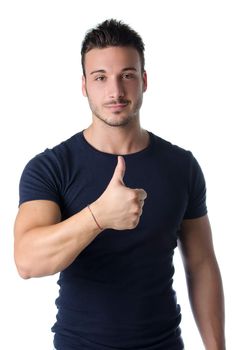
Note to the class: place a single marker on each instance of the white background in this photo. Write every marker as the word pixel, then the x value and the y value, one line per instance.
pixel 188 102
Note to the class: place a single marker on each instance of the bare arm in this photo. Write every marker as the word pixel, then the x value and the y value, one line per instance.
pixel 44 245
pixel 204 281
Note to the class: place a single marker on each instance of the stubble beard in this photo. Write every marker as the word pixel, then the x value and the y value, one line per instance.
pixel 116 120
pixel 111 121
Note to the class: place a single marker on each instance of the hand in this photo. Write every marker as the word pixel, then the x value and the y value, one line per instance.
pixel 119 207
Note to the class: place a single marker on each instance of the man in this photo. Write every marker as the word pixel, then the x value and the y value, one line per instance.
pixel 106 209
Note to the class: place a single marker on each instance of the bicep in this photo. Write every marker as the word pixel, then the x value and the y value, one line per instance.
pixel 36 213
pixel 195 241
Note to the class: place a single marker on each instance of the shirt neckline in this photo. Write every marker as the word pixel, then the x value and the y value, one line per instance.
pixel 129 155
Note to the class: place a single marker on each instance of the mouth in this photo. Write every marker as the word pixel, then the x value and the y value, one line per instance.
pixel 117 106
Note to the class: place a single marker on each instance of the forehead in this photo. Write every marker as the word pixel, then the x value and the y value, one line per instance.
pixel 112 59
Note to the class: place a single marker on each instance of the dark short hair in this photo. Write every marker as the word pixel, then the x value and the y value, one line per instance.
pixel 112 33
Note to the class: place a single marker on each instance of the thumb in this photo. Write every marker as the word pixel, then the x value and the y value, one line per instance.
pixel 119 171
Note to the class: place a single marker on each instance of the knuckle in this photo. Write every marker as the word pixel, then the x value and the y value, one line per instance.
pixel 133 224
pixel 133 195
pixel 136 210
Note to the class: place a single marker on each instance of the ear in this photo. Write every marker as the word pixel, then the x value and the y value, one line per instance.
pixel 84 92
pixel 144 81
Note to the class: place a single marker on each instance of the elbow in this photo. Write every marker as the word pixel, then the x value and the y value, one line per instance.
pixel 23 273
pixel 23 270
pixel 31 269
pixel 23 266
pixel 22 262
pixel 26 266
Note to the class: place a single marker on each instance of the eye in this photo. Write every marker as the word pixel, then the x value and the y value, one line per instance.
pixel 100 78
pixel 128 76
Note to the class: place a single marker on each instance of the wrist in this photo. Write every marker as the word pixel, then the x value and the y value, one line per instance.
pixel 216 346
pixel 95 211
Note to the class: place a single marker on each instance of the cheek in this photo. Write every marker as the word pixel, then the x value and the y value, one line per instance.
pixel 137 91
pixel 96 93
pixel 95 96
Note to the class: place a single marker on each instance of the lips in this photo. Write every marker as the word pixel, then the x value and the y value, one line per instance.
pixel 117 105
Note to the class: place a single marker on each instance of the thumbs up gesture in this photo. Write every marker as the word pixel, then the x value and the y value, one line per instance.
pixel 119 207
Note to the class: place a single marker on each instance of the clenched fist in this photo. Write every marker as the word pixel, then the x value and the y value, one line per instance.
pixel 119 207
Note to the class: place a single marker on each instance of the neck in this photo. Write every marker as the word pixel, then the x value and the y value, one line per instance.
pixel 118 140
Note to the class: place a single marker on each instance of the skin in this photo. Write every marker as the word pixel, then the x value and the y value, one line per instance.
pixel 203 281
pixel 115 96
pixel 114 85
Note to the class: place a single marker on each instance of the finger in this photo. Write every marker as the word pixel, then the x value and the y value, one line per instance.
pixel 142 195
pixel 119 171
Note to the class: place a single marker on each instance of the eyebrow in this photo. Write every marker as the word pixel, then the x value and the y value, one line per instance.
pixel 123 70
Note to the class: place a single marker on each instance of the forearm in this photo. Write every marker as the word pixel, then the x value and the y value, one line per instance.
pixel 47 250
pixel 207 301
pixel 45 246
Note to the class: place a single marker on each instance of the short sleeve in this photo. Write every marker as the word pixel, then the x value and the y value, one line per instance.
pixel 40 179
pixel 196 206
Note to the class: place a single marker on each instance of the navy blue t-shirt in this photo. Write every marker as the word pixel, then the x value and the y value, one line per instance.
pixel 118 292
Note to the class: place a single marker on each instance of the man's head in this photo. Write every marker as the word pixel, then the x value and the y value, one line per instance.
pixel 114 78
pixel 112 33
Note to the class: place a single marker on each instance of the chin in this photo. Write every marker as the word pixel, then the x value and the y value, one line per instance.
pixel 116 118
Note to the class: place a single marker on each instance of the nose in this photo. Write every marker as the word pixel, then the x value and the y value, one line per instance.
pixel 116 89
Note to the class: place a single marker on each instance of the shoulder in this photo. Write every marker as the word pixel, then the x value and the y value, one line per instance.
pixel 183 168
pixel 44 175
pixel 169 152
pixel 58 155
pixel 53 162
pixel 176 160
